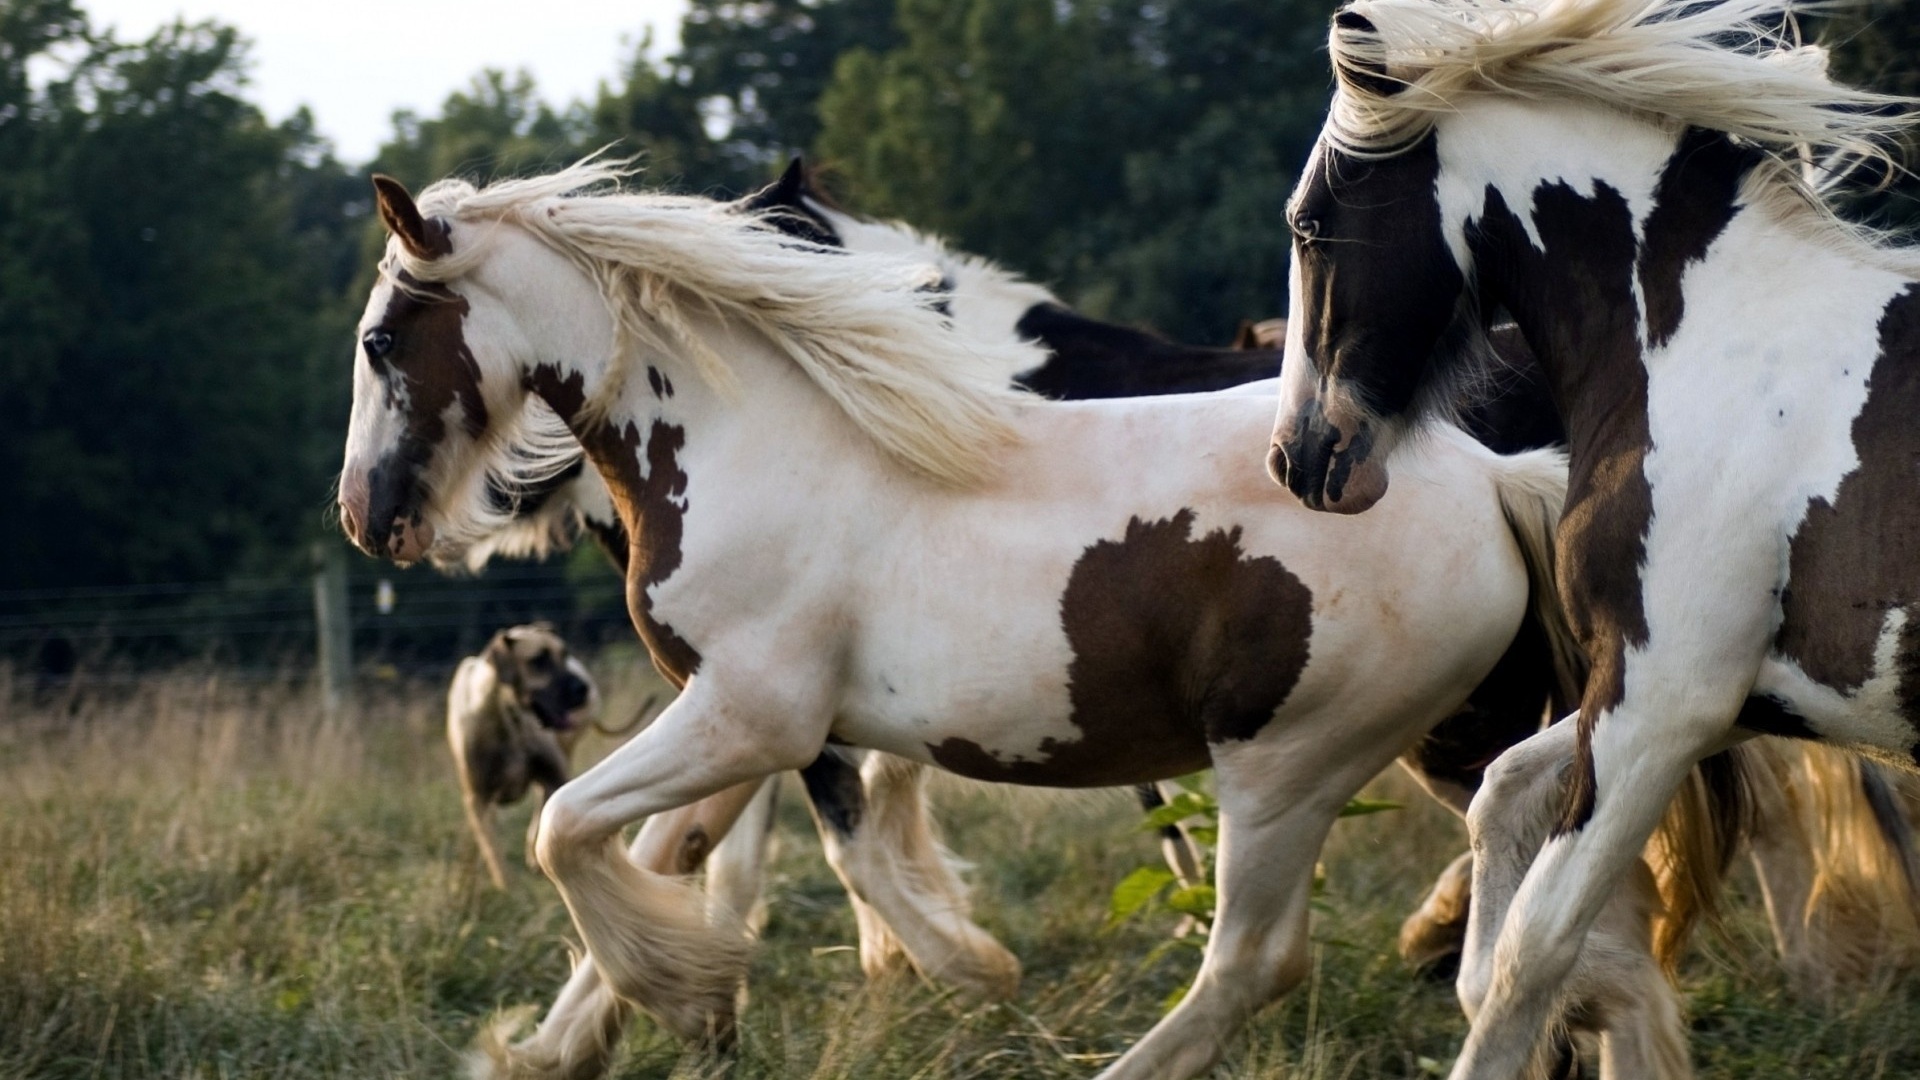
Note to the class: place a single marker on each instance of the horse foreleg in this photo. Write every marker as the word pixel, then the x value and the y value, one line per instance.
pixel 873 824
pixel 1529 954
pixel 576 1038
pixel 653 937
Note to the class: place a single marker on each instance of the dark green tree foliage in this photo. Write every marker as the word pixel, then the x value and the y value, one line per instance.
pixel 160 318
pixel 761 66
pixel 1878 45
pixel 1135 155
pixel 497 126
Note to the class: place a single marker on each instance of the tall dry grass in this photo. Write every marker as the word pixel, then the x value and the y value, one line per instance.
pixel 200 878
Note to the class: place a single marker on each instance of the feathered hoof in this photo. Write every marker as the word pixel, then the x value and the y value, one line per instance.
pixel 1431 948
pixel 990 974
pixel 496 1056
pixel 1434 936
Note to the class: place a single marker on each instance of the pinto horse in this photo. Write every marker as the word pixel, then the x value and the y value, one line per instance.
pixel 843 530
pixel 1634 183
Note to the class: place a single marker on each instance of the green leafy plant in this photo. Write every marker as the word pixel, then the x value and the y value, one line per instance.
pixel 1154 887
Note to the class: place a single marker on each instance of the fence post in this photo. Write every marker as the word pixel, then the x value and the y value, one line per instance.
pixel 333 625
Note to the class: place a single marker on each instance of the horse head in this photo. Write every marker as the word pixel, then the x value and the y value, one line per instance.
pixel 421 410
pixel 1373 288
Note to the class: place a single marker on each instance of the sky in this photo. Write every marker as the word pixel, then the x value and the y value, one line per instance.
pixel 353 62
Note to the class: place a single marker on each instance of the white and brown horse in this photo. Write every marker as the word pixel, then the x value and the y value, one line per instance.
pixel 1630 181
pixel 844 531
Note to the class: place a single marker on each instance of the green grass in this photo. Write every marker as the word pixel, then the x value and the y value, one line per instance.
pixel 199 880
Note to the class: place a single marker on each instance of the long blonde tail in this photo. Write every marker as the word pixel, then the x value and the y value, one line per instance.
pixel 1860 914
pixel 1704 828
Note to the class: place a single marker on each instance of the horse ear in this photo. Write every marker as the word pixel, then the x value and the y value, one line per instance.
pixel 793 182
pixel 423 239
pixel 1364 74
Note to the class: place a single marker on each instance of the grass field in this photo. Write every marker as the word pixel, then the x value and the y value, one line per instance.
pixel 206 880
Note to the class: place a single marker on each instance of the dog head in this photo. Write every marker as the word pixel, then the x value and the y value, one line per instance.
pixel 534 665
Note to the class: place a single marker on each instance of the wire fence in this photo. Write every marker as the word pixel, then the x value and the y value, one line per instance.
pixel 411 622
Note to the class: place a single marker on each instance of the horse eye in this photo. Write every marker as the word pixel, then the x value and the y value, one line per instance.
pixel 378 343
pixel 1306 228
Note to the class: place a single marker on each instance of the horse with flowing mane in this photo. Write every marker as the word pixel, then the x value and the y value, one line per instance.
pixel 843 527
pixel 1642 185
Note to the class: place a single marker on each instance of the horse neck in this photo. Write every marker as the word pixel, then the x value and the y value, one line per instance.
pixel 655 413
pixel 1589 260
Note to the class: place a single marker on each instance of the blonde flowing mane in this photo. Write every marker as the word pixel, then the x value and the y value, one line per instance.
pixel 1724 66
pixel 862 326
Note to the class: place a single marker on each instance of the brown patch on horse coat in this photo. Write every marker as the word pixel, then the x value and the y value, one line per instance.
pixel 1850 562
pixel 652 507
pixel 695 846
pixel 1575 304
pixel 565 394
pixel 1177 643
pixel 1692 204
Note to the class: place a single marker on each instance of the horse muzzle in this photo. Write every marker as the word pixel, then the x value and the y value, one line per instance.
pixel 1330 463
pixel 380 520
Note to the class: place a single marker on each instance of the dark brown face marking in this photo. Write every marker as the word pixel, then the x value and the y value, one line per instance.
pixel 1177 643
pixel 1368 232
pixel 418 353
pixel 428 366
pixel 1851 561
pixel 1574 303
pixel 652 508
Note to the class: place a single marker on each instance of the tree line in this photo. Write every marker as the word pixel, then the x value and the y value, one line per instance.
pixel 179 276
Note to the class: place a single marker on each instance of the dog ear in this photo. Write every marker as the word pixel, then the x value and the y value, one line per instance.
pixel 499 655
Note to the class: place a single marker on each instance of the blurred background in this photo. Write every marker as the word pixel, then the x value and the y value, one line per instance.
pixel 181 265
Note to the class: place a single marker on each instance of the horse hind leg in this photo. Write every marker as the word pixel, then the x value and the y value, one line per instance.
pixel 908 898
pixel 736 868
pixel 1278 799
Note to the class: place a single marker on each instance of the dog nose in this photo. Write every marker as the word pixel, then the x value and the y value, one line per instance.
pixel 574 693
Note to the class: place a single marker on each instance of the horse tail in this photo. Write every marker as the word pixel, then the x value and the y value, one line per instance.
pixel 1704 828
pixel 1532 487
pixel 1864 897
pixel 1896 834
pixel 640 716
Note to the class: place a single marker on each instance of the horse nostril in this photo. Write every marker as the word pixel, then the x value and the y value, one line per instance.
pixel 1277 465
